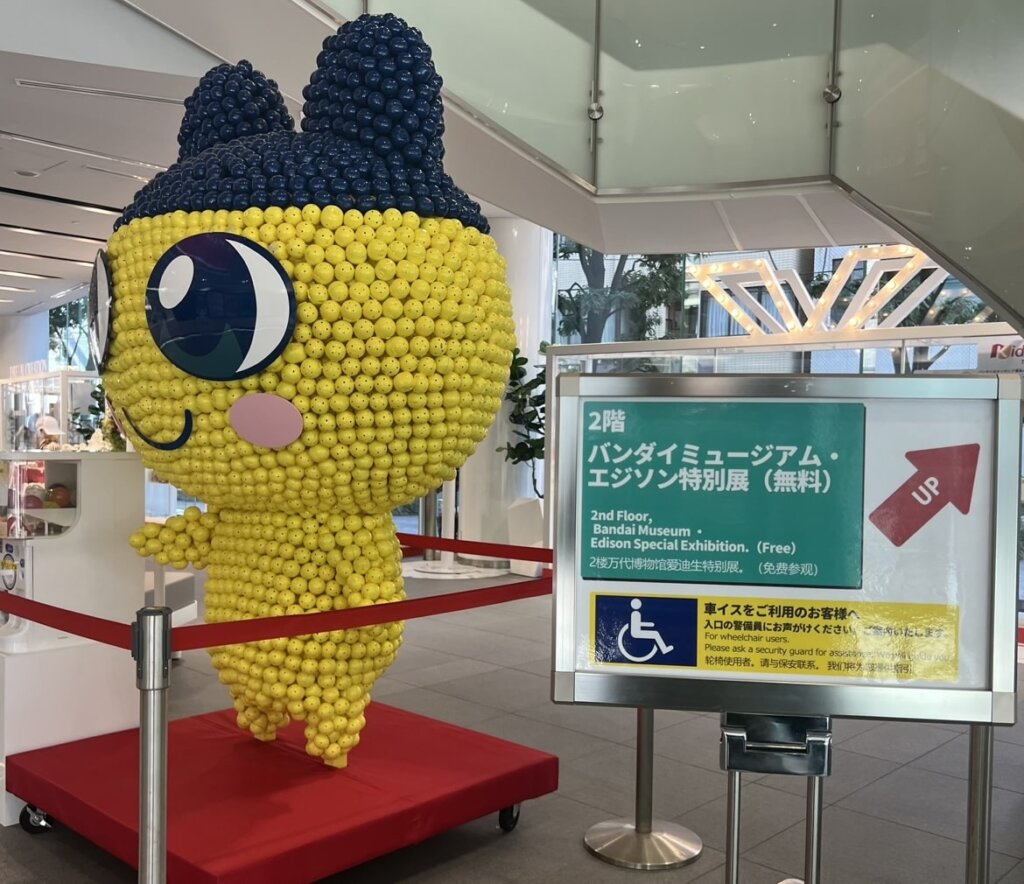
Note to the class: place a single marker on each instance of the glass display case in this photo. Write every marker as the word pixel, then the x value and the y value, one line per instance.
pixel 47 411
pixel 41 498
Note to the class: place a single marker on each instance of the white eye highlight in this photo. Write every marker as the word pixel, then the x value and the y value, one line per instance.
pixel 176 281
pixel 273 307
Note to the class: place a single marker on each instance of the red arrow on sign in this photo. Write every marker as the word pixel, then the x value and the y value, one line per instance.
pixel 944 475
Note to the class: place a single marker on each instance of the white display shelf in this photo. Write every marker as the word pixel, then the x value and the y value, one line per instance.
pixel 63 516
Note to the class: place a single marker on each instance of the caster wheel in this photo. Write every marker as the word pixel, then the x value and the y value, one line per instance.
pixel 34 821
pixel 508 818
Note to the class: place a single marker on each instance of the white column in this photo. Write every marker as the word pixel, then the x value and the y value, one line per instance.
pixel 488 483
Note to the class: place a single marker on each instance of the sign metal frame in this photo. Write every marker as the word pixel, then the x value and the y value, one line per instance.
pixel 994 704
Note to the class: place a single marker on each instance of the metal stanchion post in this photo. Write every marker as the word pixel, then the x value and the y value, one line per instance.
pixel 979 804
pixel 428 522
pixel 151 648
pixel 643 842
pixel 734 787
pixel 812 834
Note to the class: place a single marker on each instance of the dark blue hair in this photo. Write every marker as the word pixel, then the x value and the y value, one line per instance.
pixel 370 139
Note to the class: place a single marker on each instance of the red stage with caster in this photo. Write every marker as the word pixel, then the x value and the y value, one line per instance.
pixel 243 812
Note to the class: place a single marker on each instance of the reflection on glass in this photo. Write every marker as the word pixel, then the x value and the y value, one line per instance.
pixel 932 124
pixel 40 497
pixel 526 66
pixel 713 91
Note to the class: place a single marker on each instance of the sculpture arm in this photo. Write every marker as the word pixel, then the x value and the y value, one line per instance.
pixel 182 541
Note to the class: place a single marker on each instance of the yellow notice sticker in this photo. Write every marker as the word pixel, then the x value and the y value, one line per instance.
pixel 795 637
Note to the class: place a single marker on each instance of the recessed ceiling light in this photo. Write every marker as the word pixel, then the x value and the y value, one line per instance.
pixel 14 288
pixel 31 231
pixel 33 257
pixel 70 148
pixel 96 210
pixel 74 288
pixel 18 275
pixel 92 90
pixel 141 178
pixel 26 173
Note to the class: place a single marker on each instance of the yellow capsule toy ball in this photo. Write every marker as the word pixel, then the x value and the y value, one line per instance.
pixel 304 330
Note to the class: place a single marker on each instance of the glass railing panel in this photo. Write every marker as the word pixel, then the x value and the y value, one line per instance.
pixel 347 9
pixel 526 66
pixel 932 127
pixel 713 91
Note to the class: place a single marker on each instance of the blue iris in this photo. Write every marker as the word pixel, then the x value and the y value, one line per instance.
pixel 220 307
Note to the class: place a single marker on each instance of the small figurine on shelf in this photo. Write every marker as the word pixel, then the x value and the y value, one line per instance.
pixel 48 433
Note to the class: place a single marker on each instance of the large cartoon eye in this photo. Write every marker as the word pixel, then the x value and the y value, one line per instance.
pixel 99 311
pixel 219 306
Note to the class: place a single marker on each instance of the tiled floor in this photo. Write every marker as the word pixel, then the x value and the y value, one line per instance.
pixel 895 804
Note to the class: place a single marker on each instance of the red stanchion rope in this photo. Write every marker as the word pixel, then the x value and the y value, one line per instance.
pixel 186 638
pixel 109 632
pixel 476 547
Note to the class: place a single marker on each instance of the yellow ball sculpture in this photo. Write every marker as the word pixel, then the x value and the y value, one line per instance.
pixel 305 330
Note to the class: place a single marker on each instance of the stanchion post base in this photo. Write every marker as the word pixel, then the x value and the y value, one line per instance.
pixel 667 846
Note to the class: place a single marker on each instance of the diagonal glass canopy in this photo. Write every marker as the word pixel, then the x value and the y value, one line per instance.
pixel 641 97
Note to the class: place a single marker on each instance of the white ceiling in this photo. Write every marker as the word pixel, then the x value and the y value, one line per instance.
pixel 72 156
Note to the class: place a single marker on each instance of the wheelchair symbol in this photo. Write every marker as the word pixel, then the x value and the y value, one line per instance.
pixel 642 630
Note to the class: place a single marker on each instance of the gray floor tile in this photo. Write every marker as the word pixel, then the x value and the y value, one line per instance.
pixel 693 741
pixel 607 722
pixel 411 657
pixel 937 803
pixel 1013 734
pixel 845 728
pixel 763 814
pixel 507 689
pixel 457 668
pixel 441 706
pixel 566 744
pixel 591 870
pixel 606 778
pixel 899 741
pixel 59 855
pixel 1015 875
pixel 750 873
pixel 540 666
pixel 388 685
pixel 952 759
pixel 850 772
pixel 860 849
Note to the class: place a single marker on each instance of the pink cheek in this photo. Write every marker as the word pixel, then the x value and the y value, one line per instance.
pixel 266 420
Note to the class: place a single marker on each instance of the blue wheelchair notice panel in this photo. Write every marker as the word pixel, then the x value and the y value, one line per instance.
pixel 644 630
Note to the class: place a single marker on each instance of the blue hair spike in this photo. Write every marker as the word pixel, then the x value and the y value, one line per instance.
pixel 231 101
pixel 371 135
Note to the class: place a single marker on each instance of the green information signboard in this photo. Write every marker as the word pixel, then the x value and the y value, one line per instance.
pixel 701 491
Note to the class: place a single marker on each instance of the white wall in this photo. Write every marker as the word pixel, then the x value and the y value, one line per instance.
pixel 23 339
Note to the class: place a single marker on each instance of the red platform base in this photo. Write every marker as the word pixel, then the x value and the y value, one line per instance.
pixel 243 812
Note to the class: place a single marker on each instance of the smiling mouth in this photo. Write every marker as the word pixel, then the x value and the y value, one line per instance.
pixel 186 431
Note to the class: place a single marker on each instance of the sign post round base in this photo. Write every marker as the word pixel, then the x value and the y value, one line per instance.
pixel 666 846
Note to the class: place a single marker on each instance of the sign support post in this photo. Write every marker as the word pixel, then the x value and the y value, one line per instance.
pixel 979 804
pixel 644 843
